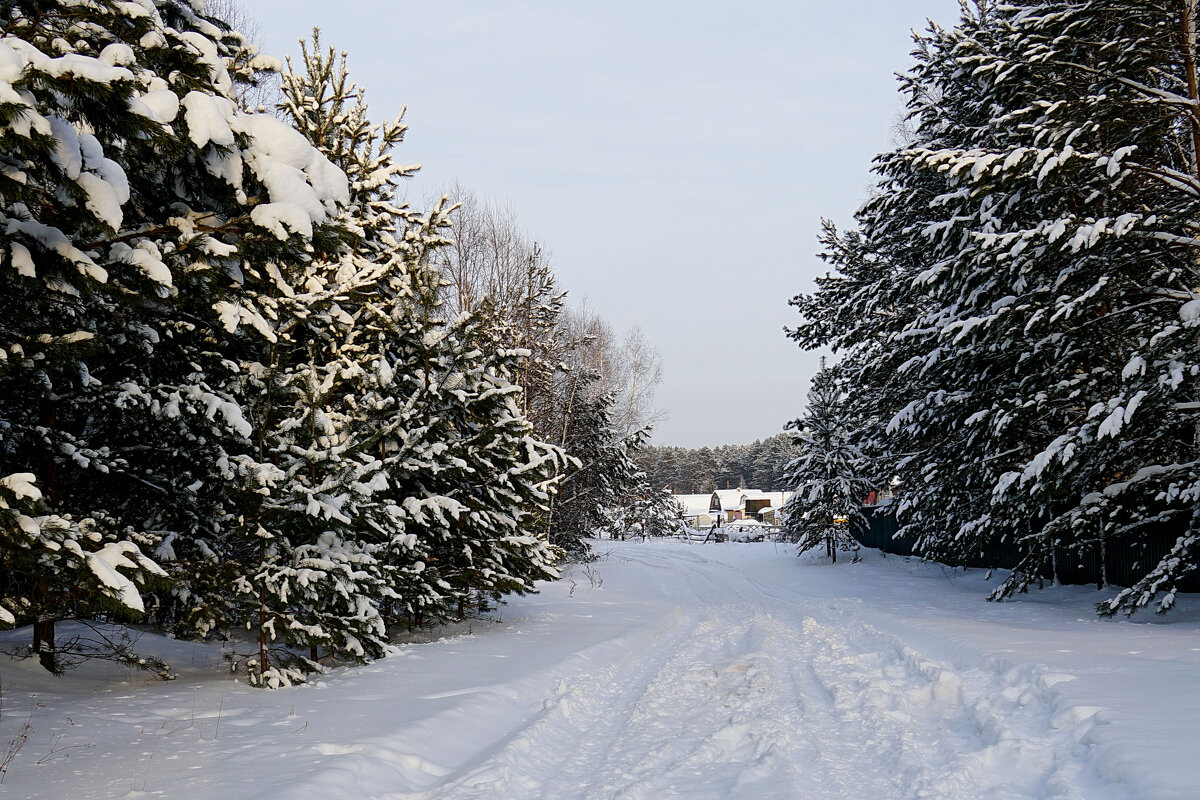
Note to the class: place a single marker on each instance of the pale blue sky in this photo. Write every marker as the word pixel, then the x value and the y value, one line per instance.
pixel 674 157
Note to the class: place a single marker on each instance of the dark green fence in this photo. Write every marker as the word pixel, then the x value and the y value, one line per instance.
pixel 1121 562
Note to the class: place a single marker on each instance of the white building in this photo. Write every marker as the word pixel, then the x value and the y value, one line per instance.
pixel 695 509
pixel 729 505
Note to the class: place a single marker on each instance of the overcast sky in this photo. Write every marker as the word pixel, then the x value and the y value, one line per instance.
pixel 675 158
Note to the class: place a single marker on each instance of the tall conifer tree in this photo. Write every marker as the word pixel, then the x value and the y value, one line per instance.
pixel 131 190
pixel 1014 306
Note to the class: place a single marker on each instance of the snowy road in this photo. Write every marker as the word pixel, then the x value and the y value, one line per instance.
pixel 742 693
pixel 676 671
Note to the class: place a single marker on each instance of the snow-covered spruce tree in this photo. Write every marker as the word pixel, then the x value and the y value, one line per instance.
pixel 951 403
pixel 56 566
pixel 387 332
pixel 1065 264
pixel 649 512
pixel 511 472
pixel 951 400
pixel 604 476
pixel 315 580
pixel 1117 115
pixel 461 475
pixel 1038 229
pixel 493 269
pixel 321 555
pixel 531 323
pixel 473 480
pixel 228 212
pixel 497 290
pixel 827 476
pixel 123 201
pixel 862 311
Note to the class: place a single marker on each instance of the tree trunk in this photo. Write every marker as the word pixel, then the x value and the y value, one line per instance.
pixel 49 476
pixel 1187 20
pixel 263 662
pixel 43 644
pixel 43 628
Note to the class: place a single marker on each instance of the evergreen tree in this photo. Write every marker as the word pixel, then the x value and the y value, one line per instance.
pixel 461 477
pixel 762 465
pixel 58 567
pixel 827 475
pixel 131 188
pixel 1012 311
pixel 650 512
pixel 321 556
pixel 471 478
pixel 511 473
pixel 602 478
pixel 1122 461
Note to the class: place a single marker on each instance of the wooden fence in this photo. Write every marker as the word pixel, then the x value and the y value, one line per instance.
pixel 1124 561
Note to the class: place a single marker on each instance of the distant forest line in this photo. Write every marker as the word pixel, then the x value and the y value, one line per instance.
pixel 761 465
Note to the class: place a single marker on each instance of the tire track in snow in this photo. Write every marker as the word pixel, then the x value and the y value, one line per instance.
pixel 694 724
pixel 754 694
pixel 711 720
pixel 886 720
pixel 990 730
pixel 572 731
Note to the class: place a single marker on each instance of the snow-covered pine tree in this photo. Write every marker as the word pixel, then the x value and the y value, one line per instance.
pixel 649 512
pixel 931 317
pixel 951 362
pixel 461 476
pixel 492 269
pixel 827 476
pixel 130 183
pixel 331 111
pixel 322 546
pixel 604 477
pixel 532 325
pixel 1062 266
pixel 57 567
pixel 53 201
pixel 511 472
pixel 472 478
pixel 880 312
pixel 1036 232
pixel 1115 180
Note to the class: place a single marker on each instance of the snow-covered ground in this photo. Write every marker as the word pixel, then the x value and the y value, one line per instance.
pixel 665 670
